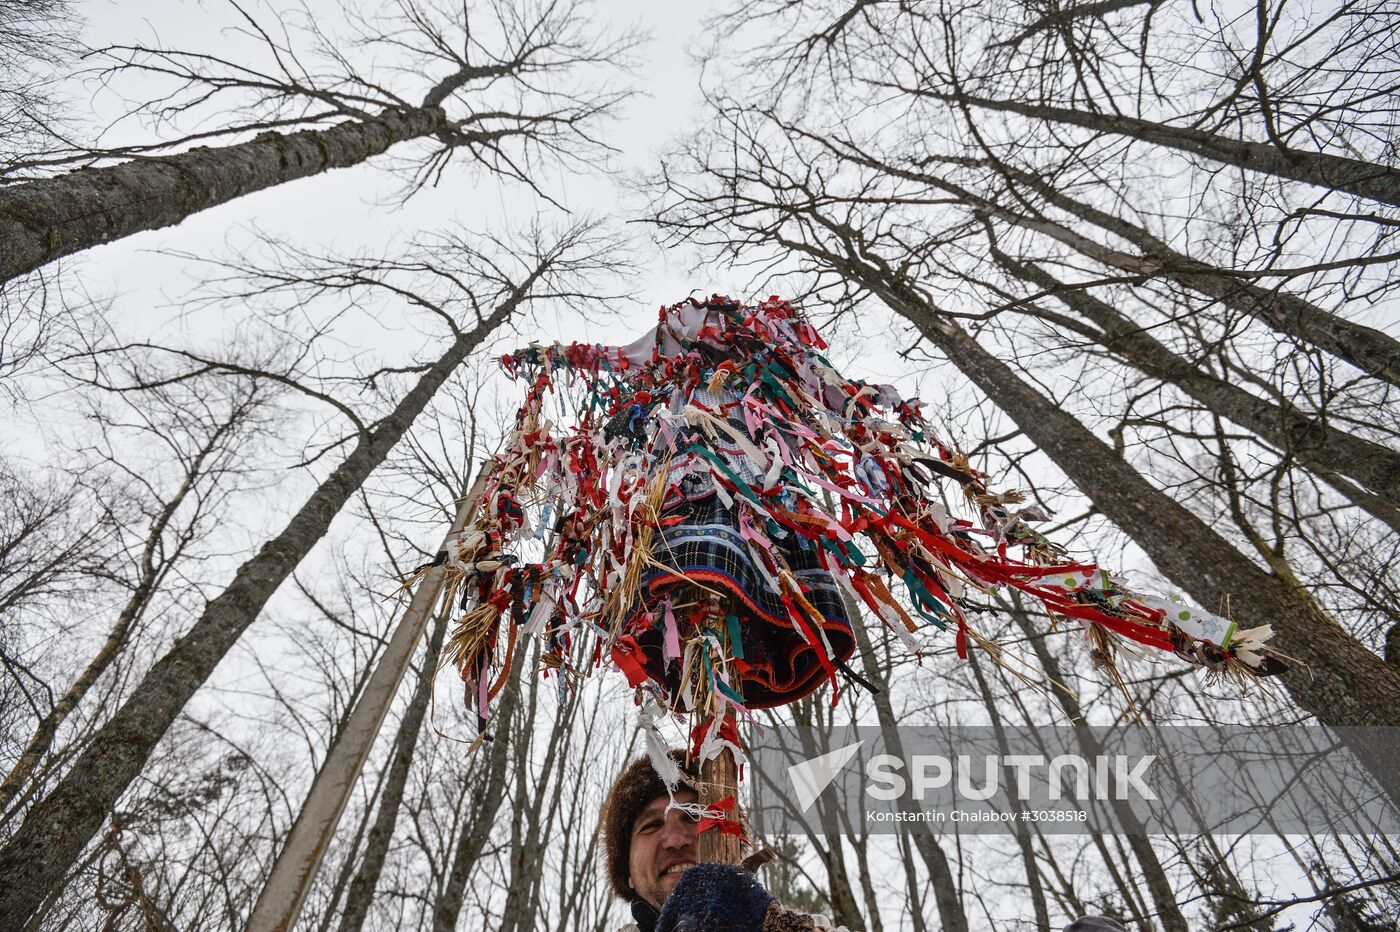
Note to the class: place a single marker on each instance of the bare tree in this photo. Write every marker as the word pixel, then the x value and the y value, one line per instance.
pixel 759 203
pixel 1353 176
pixel 360 895
pixel 206 446
pixel 519 83
pixel 950 909
pixel 36 44
pixel 60 825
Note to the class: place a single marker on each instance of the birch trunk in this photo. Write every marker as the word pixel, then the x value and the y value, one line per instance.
pixel 37 857
pixel 43 220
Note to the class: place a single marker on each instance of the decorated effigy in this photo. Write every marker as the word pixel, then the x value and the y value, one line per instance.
pixel 718 506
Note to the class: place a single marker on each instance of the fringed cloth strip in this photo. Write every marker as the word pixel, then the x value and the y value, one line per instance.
pixel 786 476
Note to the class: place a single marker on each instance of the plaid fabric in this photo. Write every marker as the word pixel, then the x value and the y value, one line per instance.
pixel 706 548
pixel 744 467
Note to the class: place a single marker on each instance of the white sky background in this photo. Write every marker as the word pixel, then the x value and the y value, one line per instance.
pixel 338 210
pixel 343 211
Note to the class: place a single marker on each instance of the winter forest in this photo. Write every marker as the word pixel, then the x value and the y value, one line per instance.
pixel 260 260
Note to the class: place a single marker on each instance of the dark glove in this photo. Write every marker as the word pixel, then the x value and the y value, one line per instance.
pixel 715 898
pixel 1094 924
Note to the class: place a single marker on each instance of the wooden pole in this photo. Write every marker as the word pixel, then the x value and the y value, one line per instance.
pixel 719 776
pixel 282 897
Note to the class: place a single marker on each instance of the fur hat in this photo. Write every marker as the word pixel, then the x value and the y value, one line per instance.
pixel 637 785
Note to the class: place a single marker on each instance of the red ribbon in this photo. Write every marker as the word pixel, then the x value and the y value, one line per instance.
pixel 627 654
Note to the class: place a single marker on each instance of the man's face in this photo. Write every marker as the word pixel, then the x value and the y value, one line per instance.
pixel 663 844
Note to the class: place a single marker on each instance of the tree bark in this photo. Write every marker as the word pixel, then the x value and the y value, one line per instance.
pixel 844 908
pixel 1022 829
pixel 361 895
pixel 945 887
pixel 146 585
pixel 861 845
pixel 539 806
pixel 331 904
pixel 1324 449
pixel 1372 351
pixel 486 802
pixel 1332 675
pixel 1158 885
pixel 35 860
pixel 1364 179
pixel 43 220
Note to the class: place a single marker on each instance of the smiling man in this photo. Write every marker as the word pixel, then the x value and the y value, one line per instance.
pixel 651 856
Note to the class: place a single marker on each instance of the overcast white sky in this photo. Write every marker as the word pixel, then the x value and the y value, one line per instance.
pixel 338 210
pixel 343 210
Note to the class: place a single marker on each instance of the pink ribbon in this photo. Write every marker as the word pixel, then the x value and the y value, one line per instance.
pixel 672 642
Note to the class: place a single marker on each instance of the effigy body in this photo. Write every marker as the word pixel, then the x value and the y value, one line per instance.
pixel 722 498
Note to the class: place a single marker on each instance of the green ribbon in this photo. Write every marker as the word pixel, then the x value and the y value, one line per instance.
pixel 736 643
pixel 920 596
pixel 728 693
pixel 723 467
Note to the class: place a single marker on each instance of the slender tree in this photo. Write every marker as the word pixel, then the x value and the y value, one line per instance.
pixel 1358 177
pixel 936 862
pixel 1327 451
pixel 305 119
pixel 37 857
pixel 175 519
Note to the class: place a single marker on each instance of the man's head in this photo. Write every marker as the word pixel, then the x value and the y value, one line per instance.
pixel 663 845
pixel 646 846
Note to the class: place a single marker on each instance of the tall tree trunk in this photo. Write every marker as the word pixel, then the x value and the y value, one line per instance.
pixel 911 884
pixel 1158 885
pixel 1022 829
pixel 845 909
pixel 539 801
pixel 1333 676
pixel 1321 448
pixel 486 802
pixel 945 886
pixel 376 849
pixel 1372 351
pixel 43 220
pixel 35 860
pixel 331 905
pixel 867 884
pixel 147 582
pixel 1334 172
